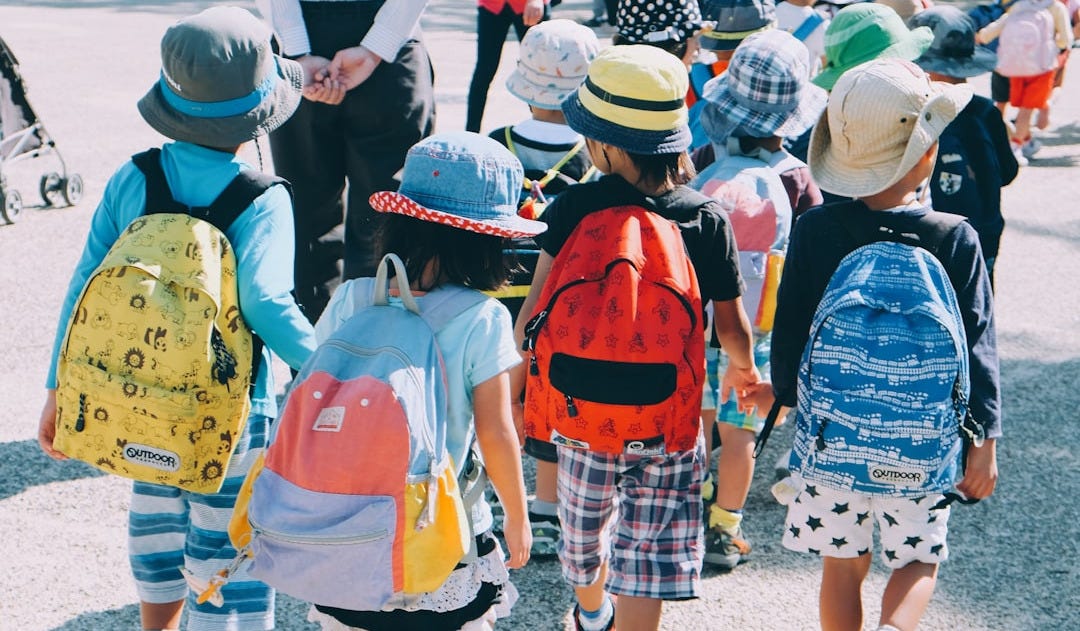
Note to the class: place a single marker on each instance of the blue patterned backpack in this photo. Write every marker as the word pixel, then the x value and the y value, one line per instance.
pixel 883 383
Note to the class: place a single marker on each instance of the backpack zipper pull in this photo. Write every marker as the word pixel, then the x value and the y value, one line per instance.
pixel 427 513
pixel 820 442
pixel 571 408
pixel 531 329
pixel 80 423
pixel 534 369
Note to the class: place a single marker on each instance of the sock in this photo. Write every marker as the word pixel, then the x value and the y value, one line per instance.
pixel 596 620
pixel 545 509
pixel 726 520
pixel 708 488
pixel 887 627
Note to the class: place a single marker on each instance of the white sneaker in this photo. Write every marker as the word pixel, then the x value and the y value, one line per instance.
pixel 1018 153
pixel 1030 148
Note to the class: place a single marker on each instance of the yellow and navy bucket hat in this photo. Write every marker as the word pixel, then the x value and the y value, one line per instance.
pixel 633 98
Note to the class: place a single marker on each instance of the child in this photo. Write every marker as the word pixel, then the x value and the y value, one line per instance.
pixel 888 114
pixel 449 222
pixel 807 24
pixel 1029 65
pixel 555 57
pixel 728 22
pixel 632 112
pixel 220 58
pixel 974 157
pixel 494 18
pixel 765 96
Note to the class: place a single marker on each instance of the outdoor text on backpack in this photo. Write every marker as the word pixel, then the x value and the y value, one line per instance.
pixel 154 373
pixel 358 499
pixel 616 340
pixel 883 382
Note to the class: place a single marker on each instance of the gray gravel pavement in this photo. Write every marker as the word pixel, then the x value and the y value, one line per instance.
pixel 62 526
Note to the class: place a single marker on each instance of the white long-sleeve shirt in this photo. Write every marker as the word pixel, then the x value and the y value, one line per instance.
pixel 395 23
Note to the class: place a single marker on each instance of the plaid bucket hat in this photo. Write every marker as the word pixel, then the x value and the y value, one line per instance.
pixel 634 98
pixel 553 61
pixel 861 32
pixel 732 21
pixel 953 52
pixel 463 180
pixel 882 117
pixel 766 90
pixel 221 85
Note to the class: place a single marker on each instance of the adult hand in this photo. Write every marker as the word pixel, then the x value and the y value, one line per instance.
pixel 317 85
pixel 47 427
pixel 533 12
pixel 742 381
pixel 981 473
pixel 353 66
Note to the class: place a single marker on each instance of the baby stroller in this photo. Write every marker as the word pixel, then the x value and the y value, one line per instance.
pixel 22 136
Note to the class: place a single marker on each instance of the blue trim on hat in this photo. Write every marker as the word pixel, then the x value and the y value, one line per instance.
pixel 639 141
pixel 218 109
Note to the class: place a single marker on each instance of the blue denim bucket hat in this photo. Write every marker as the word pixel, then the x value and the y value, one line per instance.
pixel 463 180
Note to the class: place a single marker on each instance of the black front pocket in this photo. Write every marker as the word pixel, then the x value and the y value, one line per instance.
pixel 616 383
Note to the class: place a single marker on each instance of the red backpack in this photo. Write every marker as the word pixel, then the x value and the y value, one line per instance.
pixel 618 351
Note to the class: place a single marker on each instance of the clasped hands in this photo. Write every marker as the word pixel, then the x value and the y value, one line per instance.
pixel 327 81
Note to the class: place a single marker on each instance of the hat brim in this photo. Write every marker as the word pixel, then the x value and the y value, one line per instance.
pixel 709 41
pixel 639 141
pixel 230 131
pixel 982 61
pixel 754 120
pixel 548 97
pixel 513 227
pixel 912 45
pixel 861 179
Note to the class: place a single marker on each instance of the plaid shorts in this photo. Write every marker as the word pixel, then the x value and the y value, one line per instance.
pixel 640 513
pixel 169 528
pixel 716 362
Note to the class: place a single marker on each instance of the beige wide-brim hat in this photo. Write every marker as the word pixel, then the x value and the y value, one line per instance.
pixel 882 117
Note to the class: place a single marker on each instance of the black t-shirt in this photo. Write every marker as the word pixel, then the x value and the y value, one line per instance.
pixel 702 221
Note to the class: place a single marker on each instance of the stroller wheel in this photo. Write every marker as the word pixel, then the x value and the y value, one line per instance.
pixel 12 206
pixel 49 187
pixel 73 189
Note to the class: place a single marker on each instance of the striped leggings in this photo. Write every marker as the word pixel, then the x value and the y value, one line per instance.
pixel 169 528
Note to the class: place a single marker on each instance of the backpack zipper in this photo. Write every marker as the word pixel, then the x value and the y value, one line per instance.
pixel 819 442
pixel 80 423
pixel 341 540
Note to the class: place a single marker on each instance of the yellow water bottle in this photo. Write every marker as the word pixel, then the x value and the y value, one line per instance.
pixel 774 267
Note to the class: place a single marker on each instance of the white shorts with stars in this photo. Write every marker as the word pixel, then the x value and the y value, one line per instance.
pixel 840 524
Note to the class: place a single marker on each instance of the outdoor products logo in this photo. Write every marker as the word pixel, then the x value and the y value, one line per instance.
pixel 152 457
pixel 897 476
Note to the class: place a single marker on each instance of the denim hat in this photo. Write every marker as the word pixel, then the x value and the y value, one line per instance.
pixel 220 83
pixel 882 117
pixel 735 20
pixel 634 98
pixel 553 62
pixel 463 180
pixel 861 32
pixel 657 21
pixel 766 90
pixel 953 52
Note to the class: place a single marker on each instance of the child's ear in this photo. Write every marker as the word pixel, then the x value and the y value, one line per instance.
pixel 931 153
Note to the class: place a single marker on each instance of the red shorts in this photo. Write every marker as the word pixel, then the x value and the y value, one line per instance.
pixel 1031 92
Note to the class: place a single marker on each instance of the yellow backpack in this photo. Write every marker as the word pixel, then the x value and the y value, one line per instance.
pixel 154 373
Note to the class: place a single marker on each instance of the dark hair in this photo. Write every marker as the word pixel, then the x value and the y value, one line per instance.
pixel 662 167
pixel 674 46
pixel 467 258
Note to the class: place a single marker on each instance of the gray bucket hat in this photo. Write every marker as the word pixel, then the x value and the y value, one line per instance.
pixel 953 52
pixel 220 83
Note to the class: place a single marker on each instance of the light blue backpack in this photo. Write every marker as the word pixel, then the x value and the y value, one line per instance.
pixel 883 383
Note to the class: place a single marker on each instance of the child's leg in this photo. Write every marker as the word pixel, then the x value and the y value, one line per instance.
pixel 840 600
pixel 736 466
pixel 634 613
pixel 547 484
pixel 907 595
pixel 1022 132
pixel 157 523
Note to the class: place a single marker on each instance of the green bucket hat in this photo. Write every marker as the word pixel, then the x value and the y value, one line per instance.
pixel 862 32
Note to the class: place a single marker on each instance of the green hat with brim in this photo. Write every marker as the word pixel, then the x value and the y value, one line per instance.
pixel 863 32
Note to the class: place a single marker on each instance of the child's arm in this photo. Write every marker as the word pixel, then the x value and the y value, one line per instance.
pixel 499 446
pixel 991 31
pixel 47 426
pixel 540 274
pixel 733 331
pixel 1063 32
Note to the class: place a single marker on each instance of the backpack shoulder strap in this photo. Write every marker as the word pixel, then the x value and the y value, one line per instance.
pixel 808 26
pixel 446 303
pixel 867 228
pixel 244 189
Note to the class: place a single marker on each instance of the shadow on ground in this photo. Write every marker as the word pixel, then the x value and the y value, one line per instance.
pixel 23 464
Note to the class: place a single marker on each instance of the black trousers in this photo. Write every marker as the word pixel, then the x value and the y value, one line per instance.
pixel 336 156
pixel 491 30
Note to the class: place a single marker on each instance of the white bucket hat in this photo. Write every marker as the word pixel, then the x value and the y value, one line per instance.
pixel 554 60
pixel 882 117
